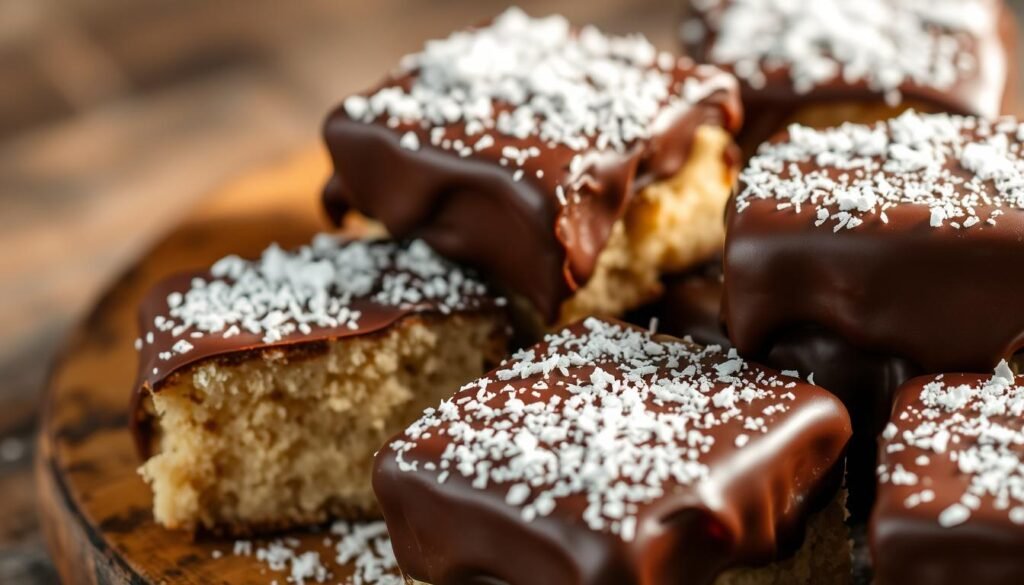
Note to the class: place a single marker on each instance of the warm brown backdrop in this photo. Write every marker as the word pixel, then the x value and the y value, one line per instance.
pixel 117 115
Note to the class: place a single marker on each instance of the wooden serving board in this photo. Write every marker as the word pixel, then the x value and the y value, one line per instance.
pixel 94 507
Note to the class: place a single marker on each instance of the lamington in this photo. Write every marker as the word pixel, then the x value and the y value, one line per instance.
pixel 868 254
pixel 603 161
pixel 265 386
pixel 951 482
pixel 826 62
pixel 608 455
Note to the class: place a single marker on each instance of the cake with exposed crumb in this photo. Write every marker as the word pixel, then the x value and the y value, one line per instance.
pixel 601 161
pixel 607 455
pixel 266 386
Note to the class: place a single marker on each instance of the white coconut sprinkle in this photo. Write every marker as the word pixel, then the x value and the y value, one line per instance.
pixel 958 167
pixel 979 429
pixel 535 81
pixel 286 293
pixel 884 44
pixel 606 411
pixel 410 141
pixel 368 548
pixel 364 547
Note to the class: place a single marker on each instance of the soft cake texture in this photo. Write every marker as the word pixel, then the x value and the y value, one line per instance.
pixel 670 226
pixel 287 437
pixel 266 385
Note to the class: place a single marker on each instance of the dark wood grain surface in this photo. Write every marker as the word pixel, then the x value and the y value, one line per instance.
pixel 117 116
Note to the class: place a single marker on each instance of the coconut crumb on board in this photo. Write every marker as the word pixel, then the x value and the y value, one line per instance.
pixel 362 546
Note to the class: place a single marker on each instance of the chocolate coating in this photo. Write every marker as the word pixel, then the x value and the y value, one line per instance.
pixel 473 209
pixel 690 305
pixel 908 542
pixel 986 89
pixel 749 510
pixel 865 382
pixel 934 296
pixel 159 362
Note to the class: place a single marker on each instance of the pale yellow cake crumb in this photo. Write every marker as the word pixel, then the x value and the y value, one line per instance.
pixel 671 225
pixel 287 437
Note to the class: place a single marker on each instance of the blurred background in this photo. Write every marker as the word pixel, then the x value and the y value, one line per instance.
pixel 116 116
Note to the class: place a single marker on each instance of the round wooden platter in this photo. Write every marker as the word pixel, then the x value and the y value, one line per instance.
pixel 94 507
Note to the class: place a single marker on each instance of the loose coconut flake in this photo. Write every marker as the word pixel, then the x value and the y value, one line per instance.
pixel 966 171
pixel 363 546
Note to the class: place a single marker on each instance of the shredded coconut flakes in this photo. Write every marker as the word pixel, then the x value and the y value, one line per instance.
pixel 884 44
pixel 362 546
pixel 536 80
pixel 977 427
pixel 639 416
pixel 967 171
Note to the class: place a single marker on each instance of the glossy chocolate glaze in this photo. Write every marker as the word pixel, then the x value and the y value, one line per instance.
pixel 155 370
pixel 863 381
pixel 988 90
pixel 936 297
pixel 690 305
pixel 472 210
pixel 908 544
pixel 865 309
pixel 749 511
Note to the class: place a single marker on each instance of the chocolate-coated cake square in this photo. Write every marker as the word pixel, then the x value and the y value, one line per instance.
pixel 607 455
pixel 571 166
pixel 950 504
pixel 826 62
pixel 265 386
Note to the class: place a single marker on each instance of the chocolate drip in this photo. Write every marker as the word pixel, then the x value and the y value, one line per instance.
pixel 909 542
pixel 936 297
pixel 863 381
pixel 473 209
pixel 750 510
